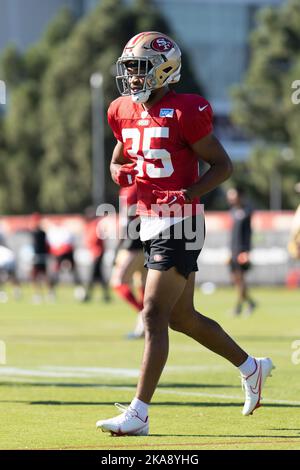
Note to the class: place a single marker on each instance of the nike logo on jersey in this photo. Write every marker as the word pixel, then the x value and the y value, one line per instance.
pixel 173 200
pixel 203 107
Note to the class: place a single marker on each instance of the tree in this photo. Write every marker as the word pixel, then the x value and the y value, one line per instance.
pixel 263 107
pixel 21 148
pixel 94 45
pixel 46 150
pixel 66 166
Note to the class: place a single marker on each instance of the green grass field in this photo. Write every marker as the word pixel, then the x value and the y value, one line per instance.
pixel 68 363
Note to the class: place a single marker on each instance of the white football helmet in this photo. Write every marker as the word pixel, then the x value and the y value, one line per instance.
pixel 155 57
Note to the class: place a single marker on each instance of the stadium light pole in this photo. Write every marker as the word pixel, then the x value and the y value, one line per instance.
pixel 275 189
pixel 98 156
pixel 286 154
pixel 2 92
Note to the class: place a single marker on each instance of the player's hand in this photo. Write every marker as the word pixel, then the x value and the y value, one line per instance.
pixel 126 174
pixel 171 197
pixel 243 258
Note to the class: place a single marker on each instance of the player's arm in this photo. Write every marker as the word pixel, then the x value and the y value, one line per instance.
pixel 122 172
pixel 210 150
pixel 117 159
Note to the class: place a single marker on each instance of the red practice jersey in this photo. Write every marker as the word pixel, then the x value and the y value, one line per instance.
pixel 160 140
pixel 128 202
pixel 93 239
pixel 129 194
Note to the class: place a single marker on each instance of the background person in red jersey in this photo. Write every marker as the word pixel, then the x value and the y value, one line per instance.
pixel 62 247
pixel 95 245
pixel 161 136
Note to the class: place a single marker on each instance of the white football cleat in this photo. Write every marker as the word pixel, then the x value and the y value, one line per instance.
pixel 126 424
pixel 253 384
pixel 139 330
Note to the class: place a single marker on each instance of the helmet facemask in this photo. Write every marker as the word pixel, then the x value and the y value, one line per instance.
pixel 153 58
pixel 154 72
pixel 139 67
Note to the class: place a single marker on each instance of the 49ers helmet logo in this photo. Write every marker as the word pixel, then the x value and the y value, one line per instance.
pixel 161 44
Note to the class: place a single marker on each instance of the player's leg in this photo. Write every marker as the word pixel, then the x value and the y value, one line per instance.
pixel 99 275
pixel 239 282
pixel 121 278
pixel 3 279
pixel 37 282
pixel 156 315
pixel 169 265
pixel 140 275
pixel 254 371
pixel 208 332
pixel 139 281
pixel 54 272
pixel 251 304
pixel 89 287
pixel 16 283
pixel 74 268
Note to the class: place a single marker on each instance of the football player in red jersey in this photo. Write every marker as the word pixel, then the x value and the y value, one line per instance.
pixel 161 136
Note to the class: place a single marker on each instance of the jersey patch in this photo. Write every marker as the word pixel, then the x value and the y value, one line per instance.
pixel 166 112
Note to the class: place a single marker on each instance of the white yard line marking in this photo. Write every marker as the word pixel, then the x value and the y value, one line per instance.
pixel 20 374
pixel 225 397
pixel 90 372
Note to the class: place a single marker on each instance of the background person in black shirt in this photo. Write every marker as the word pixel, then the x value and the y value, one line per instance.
pixel 40 255
pixel 240 247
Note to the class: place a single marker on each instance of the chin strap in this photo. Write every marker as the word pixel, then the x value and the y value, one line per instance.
pixel 141 97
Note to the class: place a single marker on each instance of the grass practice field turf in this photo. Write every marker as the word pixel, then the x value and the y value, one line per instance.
pixel 68 363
